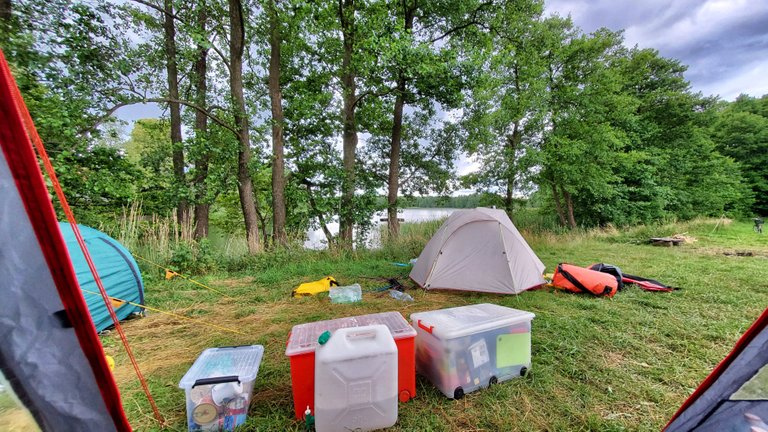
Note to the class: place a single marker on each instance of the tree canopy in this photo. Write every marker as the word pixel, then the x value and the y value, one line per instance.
pixel 294 114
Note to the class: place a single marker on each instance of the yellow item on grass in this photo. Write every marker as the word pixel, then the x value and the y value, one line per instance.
pixel 169 274
pixel 312 288
pixel 110 363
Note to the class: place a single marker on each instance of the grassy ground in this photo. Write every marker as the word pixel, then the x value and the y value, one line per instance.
pixel 13 417
pixel 625 363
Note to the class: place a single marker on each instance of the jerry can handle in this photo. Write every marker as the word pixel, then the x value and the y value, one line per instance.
pixel 424 327
pixel 363 334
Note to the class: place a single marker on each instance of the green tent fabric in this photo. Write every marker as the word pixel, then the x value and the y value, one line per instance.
pixel 117 269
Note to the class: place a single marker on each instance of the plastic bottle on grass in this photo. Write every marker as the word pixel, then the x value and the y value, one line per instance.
pixel 346 294
pixel 399 295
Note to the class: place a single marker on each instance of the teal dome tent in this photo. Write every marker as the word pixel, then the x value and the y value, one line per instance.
pixel 118 271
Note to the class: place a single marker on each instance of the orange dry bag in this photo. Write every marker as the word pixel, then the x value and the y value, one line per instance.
pixel 577 279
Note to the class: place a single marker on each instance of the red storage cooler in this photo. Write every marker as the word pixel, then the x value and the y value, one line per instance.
pixel 302 342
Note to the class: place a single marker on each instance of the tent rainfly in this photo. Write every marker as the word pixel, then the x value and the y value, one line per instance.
pixel 49 350
pixel 478 250
pixel 117 269
pixel 734 397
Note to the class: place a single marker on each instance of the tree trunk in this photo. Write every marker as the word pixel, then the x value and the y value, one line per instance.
pixel 569 206
pixel 394 161
pixel 558 205
pixel 513 143
pixel 394 151
pixel 5 10
pixel 202 205
pixel 244 183
pixel 173 94
pixel 276 99
pixel 349 135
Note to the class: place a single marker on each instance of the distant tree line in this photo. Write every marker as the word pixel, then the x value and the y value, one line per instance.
pixel 459 201
pixel 287 113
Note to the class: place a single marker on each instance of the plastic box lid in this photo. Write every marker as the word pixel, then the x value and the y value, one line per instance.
pixel 303 338
pixel 466 320
pixel 241 362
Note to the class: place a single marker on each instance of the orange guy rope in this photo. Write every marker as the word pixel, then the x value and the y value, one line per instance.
pixel 167 270
pixel 32 131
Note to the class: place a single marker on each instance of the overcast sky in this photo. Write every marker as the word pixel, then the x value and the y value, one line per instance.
pixel 723 42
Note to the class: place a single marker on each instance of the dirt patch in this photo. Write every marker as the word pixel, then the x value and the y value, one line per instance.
pixel 233 282
pixel 613 360
pixel 735 253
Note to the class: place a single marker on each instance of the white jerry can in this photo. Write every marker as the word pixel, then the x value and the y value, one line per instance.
pixel 356 380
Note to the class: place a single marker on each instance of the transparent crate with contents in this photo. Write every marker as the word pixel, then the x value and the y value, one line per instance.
pixel 219 386
pixel 466 348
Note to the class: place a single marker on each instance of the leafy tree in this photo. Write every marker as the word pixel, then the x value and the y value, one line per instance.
pixel 505 113
pixel 65 56
pixel 740 131
pixel 669 131
pixel 422 70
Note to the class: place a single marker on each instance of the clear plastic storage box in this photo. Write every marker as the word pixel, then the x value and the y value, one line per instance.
pixel 356 380
pixel 465 348
pixel 219 386
pixel 302 343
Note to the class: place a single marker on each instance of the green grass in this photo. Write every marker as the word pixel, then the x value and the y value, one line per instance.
pixel 625 363
pixel 13 416
pixel 6 402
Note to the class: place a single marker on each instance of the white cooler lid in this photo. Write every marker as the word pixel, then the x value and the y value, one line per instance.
pixel 303 337
pixel 241 362
pixel 466 320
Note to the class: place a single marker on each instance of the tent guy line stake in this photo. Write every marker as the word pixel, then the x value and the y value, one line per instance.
pixel 182 276
pixel 175 315
pixel 38 143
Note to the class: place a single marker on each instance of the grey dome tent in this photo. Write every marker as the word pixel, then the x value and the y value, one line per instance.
pixel 478 250
pixel 734 397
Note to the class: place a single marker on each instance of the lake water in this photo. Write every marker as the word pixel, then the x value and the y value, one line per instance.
pixel 316 239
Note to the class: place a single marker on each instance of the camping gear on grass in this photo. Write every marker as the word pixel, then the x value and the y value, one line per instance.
pixel 346 294
pixel 356 380
pixel 465 348
pixel 117 269
pixel 302 343
pixel 735 395
pixel 219 385
pixel 478 250
pixel 647 284
pixel 315 287
pixel 611 270
pixel 639 281
pixel 580 280
pixel 399 295
pixel 49 348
